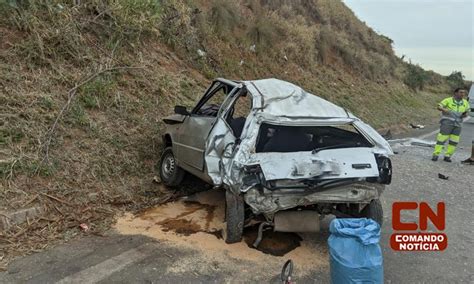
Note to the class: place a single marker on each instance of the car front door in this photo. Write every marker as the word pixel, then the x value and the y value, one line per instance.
pixel 223 140
pixel 195 130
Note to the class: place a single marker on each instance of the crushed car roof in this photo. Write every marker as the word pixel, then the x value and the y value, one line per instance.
pixel 281 98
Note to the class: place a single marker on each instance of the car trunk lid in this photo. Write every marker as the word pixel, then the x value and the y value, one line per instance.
pixel 342 163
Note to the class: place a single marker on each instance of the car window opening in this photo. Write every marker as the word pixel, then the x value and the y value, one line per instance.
pixel 238 113
pixel 211 104
pixel 283 139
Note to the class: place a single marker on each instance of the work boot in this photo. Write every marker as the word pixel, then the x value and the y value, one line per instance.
pixel 447 159
pixel 434 158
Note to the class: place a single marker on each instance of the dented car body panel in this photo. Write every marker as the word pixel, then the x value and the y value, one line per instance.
pixel 329 164
pixel 277 200
pixel 291 149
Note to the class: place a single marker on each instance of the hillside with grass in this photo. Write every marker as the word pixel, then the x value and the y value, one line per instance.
pixel 84 86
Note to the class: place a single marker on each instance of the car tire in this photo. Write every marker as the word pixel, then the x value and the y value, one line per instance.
pixel 170 173
pixel 234 218
pixel 373 211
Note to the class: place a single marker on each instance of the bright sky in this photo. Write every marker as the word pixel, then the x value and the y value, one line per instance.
pixel 437 34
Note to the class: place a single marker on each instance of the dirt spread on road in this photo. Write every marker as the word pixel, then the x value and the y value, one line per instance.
pixel 196 222
pixel 184 226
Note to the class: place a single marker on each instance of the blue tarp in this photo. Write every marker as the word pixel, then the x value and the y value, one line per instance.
pixel 355 253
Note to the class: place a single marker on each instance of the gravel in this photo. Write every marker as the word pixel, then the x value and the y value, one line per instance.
pixel 416 179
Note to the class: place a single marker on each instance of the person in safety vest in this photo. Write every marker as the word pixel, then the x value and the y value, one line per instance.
pixel 453 110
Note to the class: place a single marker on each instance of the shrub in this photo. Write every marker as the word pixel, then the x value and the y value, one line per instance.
pixel 262 32
pixel 223 16
pixel 77 116
pixel 89 101
pixel 46 102
pixel 97 90
pixel 134 18
pixel 456 79
pixel 415 77
pixel 176 26
pixel 324 43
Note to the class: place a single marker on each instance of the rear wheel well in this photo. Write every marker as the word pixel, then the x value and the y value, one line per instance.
pixel 167 142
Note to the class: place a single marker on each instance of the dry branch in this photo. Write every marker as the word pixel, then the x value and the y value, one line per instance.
pixel 57 199
pixel 31 200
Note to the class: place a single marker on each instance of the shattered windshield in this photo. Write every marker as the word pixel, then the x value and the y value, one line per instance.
pixel 278 138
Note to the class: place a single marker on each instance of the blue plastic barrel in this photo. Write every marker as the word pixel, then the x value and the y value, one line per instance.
pixel 354 250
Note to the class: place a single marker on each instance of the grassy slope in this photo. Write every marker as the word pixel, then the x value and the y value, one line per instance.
pixel 358 69
pixel 103 153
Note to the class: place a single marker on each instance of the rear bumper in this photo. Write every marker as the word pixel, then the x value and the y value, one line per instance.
pixel 269 202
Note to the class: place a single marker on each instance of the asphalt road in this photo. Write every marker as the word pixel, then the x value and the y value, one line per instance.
pixel 146 254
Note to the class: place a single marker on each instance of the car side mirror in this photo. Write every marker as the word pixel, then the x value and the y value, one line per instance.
pixel 181 110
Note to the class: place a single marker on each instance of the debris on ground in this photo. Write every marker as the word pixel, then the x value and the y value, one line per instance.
pixel 411 142
pixel 468 161
pixel 201 53
pixel 441 176
pixel 388 135
pixel 423 143
pixel 84 227
pixel 417 126
pixel 287 272
pixel 253 48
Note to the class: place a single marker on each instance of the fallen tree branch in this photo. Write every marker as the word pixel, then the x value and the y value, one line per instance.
pixel 71 95
pixel 31 200
pixel 56 198
pixel 21 232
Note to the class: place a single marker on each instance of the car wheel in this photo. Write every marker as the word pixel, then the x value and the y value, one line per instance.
pixel 373 211
pixel 170 173
pixel 234 218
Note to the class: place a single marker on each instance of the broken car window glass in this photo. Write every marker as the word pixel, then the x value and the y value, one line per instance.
pixel 278 138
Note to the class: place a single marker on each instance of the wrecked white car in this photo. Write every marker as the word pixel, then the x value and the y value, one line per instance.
pixel 284 156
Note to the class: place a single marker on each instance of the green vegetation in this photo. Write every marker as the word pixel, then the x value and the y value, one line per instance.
pixel 95 93
pixel 416 77
pixel 223 17
pixel 456 80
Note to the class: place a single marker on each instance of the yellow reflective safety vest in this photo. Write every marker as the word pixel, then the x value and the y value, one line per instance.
pixel 456 110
